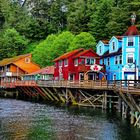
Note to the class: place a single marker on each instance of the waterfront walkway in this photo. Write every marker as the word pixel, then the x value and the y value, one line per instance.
pixel 105 94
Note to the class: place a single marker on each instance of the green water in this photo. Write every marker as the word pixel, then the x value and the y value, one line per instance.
pixel 21 120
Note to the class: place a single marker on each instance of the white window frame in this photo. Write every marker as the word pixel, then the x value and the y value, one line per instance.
pixel 114 76
pixel 100 49
pixel 90 60
pixel 127 57
pixel 120 56
pixel 113 45
pixel 80 76
pixel 60 63
pixel 116 60
pixel 128 40
pixel 65 62
pixel 76 62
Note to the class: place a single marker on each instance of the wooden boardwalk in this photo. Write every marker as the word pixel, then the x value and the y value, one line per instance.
pixel 85 93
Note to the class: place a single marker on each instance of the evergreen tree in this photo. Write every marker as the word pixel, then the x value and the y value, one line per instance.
pixel 98 22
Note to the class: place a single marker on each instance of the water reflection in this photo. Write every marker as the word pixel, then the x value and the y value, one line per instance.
pixel 21 120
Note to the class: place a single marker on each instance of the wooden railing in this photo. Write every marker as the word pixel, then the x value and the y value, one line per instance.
pixel 123 85
pixel 74 84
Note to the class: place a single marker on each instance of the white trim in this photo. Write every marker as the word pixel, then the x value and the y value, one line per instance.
pixel 122 51
pixel 127 58
pixel 90 61
pixel 61 63
pixel 80 76
pixel 76 60
pixel 108 58
pixel 64 62
pixel 114 75
pixel 115 60
pixel 133 41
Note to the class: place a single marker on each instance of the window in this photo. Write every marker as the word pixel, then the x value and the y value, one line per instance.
pixel 114 77
pixel 66 62
pixel 55 65
pixel 81 76
pixel 27 60
pixel 82 61
pixel 116 60
pixel 113 45
pixel 76 62
pixel 90 61
pixel 120 59
pixel 130 58
pixel 60 63
pixel 108 61
pixel 71 77
pixel 100 49
pixel 130 41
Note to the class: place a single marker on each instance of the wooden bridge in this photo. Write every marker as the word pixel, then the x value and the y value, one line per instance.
pixel 123 95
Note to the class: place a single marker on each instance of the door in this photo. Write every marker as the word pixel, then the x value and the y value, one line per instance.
pixel 81 76
pixel 131 77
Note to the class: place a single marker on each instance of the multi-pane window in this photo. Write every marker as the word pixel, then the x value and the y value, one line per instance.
pixel 113 45
pixel 90 61
pixel 66 62
pixel 108 61
pixel 120 59
pixel 60 63
pixel 130 58
pixel 130 41
pixel 116 60
pixel 100 49
pixel 76 62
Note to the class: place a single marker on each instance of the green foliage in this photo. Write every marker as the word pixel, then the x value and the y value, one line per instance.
pixel 52 47
pixel 88 20
pixel 99 19
pixel 55 45
pixel 83 40
pixel 30 47
pixel 12 43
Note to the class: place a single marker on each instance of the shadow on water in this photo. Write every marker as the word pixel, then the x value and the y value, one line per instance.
pixel 22 120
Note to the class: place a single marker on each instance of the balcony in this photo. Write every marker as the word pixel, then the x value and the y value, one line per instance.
pixel 9 74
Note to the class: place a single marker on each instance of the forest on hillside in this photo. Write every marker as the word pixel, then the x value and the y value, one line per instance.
pixel 49 28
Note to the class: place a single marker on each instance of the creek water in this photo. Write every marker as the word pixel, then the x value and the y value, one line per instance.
pixel 23 120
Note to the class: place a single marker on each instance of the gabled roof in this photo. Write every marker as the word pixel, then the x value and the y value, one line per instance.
pixel 68 54
pixel 107 54
pixel 7 61
pixel 85 51
pixel 47 70
pixel 132 30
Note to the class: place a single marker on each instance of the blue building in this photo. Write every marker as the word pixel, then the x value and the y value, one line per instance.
pixel 121 55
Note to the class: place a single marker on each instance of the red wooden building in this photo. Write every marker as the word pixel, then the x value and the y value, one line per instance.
pixel 75 65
